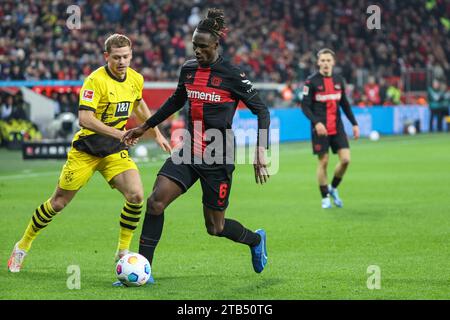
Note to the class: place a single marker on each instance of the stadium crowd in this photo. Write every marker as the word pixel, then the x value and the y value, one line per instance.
pixel 273 40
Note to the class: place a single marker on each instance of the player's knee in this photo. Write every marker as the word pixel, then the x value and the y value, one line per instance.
pixel 345 161
pixel 58 203
pixel 135 196
pixel 154 206
pixel 323 164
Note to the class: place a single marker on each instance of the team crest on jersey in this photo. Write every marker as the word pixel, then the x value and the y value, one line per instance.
pixel 320 88
pixel 68 176
pixel 88 95
pixel 216 81
pixel 337 86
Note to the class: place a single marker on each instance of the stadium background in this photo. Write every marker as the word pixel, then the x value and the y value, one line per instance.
pixel 389 72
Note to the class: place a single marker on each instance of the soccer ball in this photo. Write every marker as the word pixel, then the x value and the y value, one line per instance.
pixel 133 270
pixel 411 130
pixel 141 151
pixel 374 135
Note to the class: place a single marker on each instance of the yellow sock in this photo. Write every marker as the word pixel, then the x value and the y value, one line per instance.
pixel 125 237
pixel 129 220
pixel 42 216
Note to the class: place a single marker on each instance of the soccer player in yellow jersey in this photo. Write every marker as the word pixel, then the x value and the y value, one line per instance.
pixel 107 98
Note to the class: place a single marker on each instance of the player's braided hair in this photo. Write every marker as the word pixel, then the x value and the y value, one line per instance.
pixel 214 23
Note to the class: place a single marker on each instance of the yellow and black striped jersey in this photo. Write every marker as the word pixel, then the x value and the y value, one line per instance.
pixel 112 100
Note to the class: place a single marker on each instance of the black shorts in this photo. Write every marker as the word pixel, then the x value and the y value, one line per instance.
pixel 215 179
pixel 321 144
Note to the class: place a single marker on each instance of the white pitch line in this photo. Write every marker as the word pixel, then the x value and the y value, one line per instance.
pixel 56 173
pixel 28 175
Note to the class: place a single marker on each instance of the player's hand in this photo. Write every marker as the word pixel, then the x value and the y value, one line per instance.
pixel 356 132
pixel 132 142
pixel 260 166
pixel 163 143
pixel 132 134
pixel 321 129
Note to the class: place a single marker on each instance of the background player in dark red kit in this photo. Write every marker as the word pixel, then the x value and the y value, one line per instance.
pixel 213 88
pixel 323 93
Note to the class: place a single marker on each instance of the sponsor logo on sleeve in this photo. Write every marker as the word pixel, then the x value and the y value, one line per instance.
pixel 88 95
pixel 305 90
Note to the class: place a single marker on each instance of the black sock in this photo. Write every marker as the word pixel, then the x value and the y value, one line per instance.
pixel 324 191
pixel 151 233
pixel 335 182
pixel 235 231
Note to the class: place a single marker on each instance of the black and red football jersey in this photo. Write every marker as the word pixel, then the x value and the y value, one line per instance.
pixel 322 97
pixel 213 93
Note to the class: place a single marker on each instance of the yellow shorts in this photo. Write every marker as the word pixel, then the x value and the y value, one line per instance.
pixel 80 167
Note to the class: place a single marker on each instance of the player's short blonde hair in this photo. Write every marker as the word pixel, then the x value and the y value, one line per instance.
pixel 326 50
pixel 117 41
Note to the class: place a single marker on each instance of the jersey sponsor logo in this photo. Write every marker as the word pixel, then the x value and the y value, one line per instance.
pixel 328 97
pixel 216 81
pixel 305 90
pixel 210 97
pixel 88 95
pixel 122 109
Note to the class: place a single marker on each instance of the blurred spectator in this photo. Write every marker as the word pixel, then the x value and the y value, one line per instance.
pixel 436 98
pixel 393 95
pixel 287 95
pixel 13 108
pixel 7 108
pixel 372 92
pixel 18 113
pixel 194 18
pixel 275 39
pixel 383 91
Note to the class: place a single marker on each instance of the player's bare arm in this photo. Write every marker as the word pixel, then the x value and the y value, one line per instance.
pixel 87 120
pixel 143 113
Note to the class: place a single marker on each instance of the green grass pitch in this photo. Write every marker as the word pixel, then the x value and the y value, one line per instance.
pixel 396 216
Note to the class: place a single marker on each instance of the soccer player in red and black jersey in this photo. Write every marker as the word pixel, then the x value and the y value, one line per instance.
pixel 213 88
pixel 323 93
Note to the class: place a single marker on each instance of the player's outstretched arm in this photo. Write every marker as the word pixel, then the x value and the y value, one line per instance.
pixel 143 113
pixel 172 105
pixel 133 134
pixel 87 120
